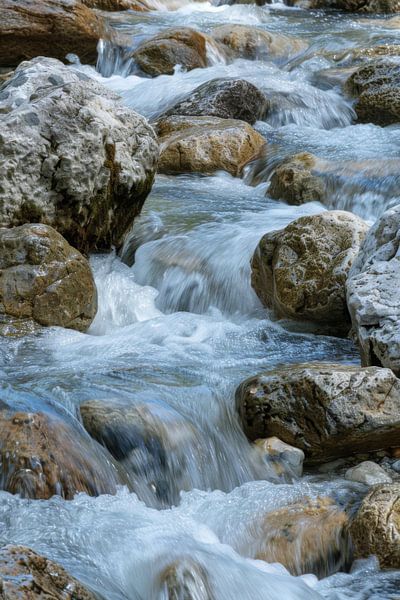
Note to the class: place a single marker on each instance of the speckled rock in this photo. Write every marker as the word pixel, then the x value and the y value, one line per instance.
pixel 326 410
pixel 42 456
pixel 48 28
pixel 206 145
pixel 71 155
pixel 373 293
pixel 377 88
pixel 182 46
pixel 26 575
pixel 310 536
pixel 44 279
pixel 376 526
pixel 253 43
pixel 226 98
pixel 301 270
pixel 296 181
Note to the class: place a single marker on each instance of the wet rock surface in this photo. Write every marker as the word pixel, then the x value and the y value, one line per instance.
pixel 296 182
pixel 48 28
pixel 25 575
pixel 43 456
pixel 368 472
pixel 286 460
pixel 225 98
pixel 307 537
pixel 362 6
pixel 326 410
pixel 373 293
pixel 90 162
pixel 44 279
pixel 186 580
pixel 301 270
pixel 206 145
pixel 376 526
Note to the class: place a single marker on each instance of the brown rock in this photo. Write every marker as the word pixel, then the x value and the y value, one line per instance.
pixel 326 410
pixel 44 279
pixel 117 5
pixel 296 182
pixel 48 28
pixel 254 43
pixel 185 580
pixel 206 144
pixel 26 575
pixel 310 536
pixel 376 526
pixel 42 456
pixel 301 270
pixel 363 6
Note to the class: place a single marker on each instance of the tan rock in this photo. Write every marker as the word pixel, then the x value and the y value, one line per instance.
pixel 44 279
pixel 48 28
pixel 376 526
pixel 42 456
pixel 253 43
pixel 301 270
pixel 206 144
pixel 326 410
pixel 310 536
pixel 185 580
pixel 296 181
pixel 26 575
pixel 286 460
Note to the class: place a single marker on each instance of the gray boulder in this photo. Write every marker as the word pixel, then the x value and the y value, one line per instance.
pixel 71 155
pixel 373 293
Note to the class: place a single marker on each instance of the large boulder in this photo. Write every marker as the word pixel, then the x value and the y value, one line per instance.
pixel 376 526
pixel 44 279
pixel 184 46
pixel 377 88
pixel 326 410
pixel 206 144
pixel 373 293
pixel 310 536
pixel 118 5
pixel 42 456
pixel 301 270
pixel 71 155
pixel 48 28
pixel 225 98
pixel 296 182
pixel 254 43
pixel 25 575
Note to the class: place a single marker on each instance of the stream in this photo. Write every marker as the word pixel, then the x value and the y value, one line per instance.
pixel 179 329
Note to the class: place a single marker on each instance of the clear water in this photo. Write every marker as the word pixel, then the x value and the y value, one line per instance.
pixel 182 327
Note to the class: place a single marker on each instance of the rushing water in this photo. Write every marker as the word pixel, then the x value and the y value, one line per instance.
pixel 179 329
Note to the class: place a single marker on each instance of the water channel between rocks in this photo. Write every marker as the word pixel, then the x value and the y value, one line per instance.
pixel 179 330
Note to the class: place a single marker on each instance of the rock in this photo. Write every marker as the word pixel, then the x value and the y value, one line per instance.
pixel 376 526
pixel 184 46
pixel 253 43
pixel 185 580
pixel 206 145
pixel 373 293
pixel 25 575
pixel 369 473
pixel 44 279
pixel 89 163
pixel 377 87
pixel 285 459
pixel 364 6
pixel 296 182
pixel 42 456
pixel 152 440
pixel 117 5
pixel 146 228
pixel 226 98
pixel 301 270
pixel 326 410
pixel 48 28
pixel 310 536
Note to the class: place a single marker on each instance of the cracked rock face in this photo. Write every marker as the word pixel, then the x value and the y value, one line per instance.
pixel 225 98
pixel 44 279
pixel 328 411
pixel 373 293
pixel 301 270
pixel 24 575
pixel 206 145
pixel 71 155
pixel 376 526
